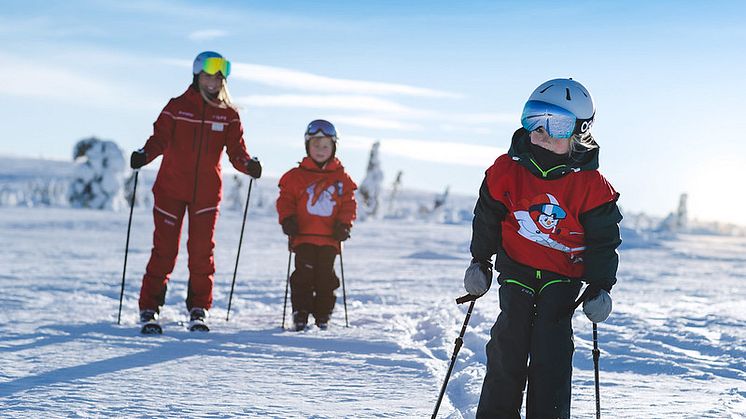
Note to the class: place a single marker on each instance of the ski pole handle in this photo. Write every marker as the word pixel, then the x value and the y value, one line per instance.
pixel 466 298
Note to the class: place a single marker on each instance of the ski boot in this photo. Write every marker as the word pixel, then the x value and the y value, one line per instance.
pixel 300 319
pixel 322 322
pixel 197 317
pixel 149 320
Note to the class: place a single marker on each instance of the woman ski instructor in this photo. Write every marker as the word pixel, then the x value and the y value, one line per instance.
pixel 190 133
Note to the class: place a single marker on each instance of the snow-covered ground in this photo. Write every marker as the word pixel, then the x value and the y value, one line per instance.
pixel 675 345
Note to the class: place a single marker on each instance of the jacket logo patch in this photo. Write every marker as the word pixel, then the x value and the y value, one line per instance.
pixel 216 126
pixel 320 200
pixel 540 222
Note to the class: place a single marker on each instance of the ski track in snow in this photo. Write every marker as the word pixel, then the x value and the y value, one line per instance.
pixel 674 346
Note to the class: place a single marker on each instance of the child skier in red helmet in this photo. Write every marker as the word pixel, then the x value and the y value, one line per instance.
pixel 316 209
pixel 553 221
pixel 191 133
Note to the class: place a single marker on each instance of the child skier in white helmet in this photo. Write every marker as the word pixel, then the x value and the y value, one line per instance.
pixel 552 220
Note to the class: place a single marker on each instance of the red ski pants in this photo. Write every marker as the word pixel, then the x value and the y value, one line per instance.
pixel 168 215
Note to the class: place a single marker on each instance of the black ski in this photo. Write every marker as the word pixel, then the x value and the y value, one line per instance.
pixel 151 328
pixel 198 326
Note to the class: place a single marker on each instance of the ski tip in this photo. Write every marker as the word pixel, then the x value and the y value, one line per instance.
pixel 151 329
pixel 198 327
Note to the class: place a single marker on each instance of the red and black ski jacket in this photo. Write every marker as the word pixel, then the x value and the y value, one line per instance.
pixel 562 220
pixel 191 134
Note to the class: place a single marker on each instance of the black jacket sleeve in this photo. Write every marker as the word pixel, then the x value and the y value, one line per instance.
pixel 486 233
pixel 602 238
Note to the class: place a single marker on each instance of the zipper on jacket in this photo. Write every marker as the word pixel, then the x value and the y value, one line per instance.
pixel 199 150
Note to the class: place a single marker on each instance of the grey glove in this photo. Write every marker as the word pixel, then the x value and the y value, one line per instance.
pixel 478 278
pixel 598 308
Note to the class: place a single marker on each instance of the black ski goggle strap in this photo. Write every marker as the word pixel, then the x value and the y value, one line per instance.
pixel 582 126
pixel 320 125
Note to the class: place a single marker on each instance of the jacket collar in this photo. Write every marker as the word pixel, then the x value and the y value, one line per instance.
pixel 520 151
pixel 331 166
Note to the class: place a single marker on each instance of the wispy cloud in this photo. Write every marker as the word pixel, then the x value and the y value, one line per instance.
pixel 299 80
pixel 348 102
pixel 385 114
pixel 448 152
pixel 57 83
pixel 374 122
pixel 207 34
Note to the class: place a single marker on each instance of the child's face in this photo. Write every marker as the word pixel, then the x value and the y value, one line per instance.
pixel 555 145
pixel 320 149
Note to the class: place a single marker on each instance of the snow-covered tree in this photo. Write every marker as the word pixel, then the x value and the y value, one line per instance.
pixel 369 190
pixel 98 175
pixel 676 221
pixel 441 199
pixel 394 191
pixel 236 196
pixel 682 217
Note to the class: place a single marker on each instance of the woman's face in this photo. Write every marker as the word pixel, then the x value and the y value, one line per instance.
pixel 540 138
pixel 210 84
pixel 320 148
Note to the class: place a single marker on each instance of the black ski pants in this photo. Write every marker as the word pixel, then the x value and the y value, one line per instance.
pixel 313 282
pixel 532 340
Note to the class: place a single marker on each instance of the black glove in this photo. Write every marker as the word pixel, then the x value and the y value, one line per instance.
pixel 254 168
pixel 341 231
pixel 138 159
pixel 290 226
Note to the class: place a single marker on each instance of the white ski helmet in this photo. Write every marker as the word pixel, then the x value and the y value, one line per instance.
pixel 562 107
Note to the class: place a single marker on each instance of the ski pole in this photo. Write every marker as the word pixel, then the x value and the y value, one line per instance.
pixel 459 343
pixel 238 253
pixel 127 246
pixel 287 283
pixel 596 352
pixel 596 355
pixel 344 292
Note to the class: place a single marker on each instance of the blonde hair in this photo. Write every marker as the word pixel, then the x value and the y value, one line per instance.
pixel 223 99
pixel 580 144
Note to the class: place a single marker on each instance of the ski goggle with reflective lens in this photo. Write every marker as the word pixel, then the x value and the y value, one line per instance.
pixel 213 65
pixel 321 126
pixel 550 210
pixel 557 122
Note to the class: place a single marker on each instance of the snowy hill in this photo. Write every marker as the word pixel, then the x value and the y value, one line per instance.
pixel 673 347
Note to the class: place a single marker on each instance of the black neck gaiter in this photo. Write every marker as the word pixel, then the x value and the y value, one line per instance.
pixel 546 159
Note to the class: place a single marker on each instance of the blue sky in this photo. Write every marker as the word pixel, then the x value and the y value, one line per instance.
pixel 440 83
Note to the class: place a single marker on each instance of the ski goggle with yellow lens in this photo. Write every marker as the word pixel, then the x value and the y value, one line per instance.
pixel 557 122
pixel 213 65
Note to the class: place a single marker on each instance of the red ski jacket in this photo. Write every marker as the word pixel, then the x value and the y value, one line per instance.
pixel 191 134
pixel 543 227
pixel 317 197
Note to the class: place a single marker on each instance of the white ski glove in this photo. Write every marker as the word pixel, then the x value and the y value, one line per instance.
pixel 598 308
pixel 478 278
